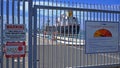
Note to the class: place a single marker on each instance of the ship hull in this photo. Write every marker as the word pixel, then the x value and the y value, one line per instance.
pixel 69 29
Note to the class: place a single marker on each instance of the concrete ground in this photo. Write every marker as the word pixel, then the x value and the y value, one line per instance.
pixel 53 54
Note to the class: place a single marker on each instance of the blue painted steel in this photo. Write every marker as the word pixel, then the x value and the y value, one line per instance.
pixel 76 9
pixel 93 12
pixel 30 65
pixel 24 23
pixel 1 30
pixel 35 39
pixel 32 30
pixel 13 23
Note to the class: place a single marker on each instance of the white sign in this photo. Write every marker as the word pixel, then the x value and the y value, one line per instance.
pixel 15 32
pixel 102 37
pixel 15 49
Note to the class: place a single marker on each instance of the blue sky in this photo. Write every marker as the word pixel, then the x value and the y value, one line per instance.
pixel 89 1
pixel 100 1
pixel 106 2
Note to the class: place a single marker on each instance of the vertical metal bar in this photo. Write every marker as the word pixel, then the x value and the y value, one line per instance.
pixel 52 31
pixel 107 16
pixel 60 51
pixel 118 20
pixel 76 35
pixel 67 48
pixel 39 40
pixel 34 2
pixel 0 36
pixel 18 11
pixel 115 18
pixel 84 58
pixel 110 18
pixel 87 62
pixel 90 17
pixel 97 55
pixel 64 50
pixel 52 40
pixel 24 12
pixel 90 20
pixel 118 8
pixel 71 36
pixel 103 19
pixel 85 18
pixel 13 23
pixel 48 22
pixel 68 36
pixel 2 9
pixel 7 17
pixel 30 36
pixel 95 19
pixel 43 38
pixel 80 35
pixel 94 56
pixel 7 9
pixel 13 11
pixel 18 17
pixel 101 59
pixel 56 36
pixel 35 39
pixel 24 62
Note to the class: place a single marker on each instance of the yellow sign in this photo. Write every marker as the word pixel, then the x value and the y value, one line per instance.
pixel 70 13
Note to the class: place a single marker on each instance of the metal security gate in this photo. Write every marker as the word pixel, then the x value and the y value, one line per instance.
pixel 54 48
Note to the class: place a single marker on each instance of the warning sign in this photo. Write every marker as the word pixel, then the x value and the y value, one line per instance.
pixel 102 37
pixel 15 49
pixel 15 32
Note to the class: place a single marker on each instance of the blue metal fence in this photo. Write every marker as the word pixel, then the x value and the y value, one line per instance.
pixel 62 50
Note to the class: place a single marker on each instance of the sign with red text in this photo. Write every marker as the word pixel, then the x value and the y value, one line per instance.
pixel 102 37
pixel 15 49
pixel 15 32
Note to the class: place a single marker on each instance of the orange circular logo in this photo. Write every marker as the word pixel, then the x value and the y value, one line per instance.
pixel 102 33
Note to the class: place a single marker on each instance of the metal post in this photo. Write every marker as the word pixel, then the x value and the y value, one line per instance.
pixel 2 31
pixel 30 65
pixel 35 39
